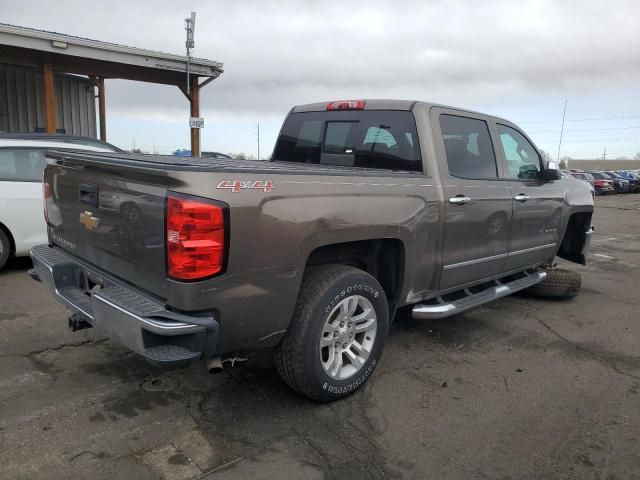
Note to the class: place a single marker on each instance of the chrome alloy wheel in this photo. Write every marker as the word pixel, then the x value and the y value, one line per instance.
pixel 348 336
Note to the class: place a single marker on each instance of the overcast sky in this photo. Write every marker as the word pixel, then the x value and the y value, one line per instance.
pixel 516 59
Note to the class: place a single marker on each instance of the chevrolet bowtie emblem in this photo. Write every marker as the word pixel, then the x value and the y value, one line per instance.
pixel 89 221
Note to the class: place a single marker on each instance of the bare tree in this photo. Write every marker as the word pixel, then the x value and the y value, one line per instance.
pixel 545 156
pixel 564 163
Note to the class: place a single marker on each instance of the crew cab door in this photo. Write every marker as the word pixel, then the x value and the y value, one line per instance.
pixel 478 205
pixel 537 204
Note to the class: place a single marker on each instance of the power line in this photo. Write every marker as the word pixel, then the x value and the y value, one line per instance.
pixel 580 119
pixel 585 130
pixel 597 140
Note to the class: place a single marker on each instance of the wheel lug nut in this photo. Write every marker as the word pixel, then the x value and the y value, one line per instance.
pixel 341 324
pixel 337 344
pixel 351 335
pixel 344 345
pixel 335 334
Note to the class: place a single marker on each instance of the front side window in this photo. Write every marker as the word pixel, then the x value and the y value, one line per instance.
pixel 21 164
pixel 380 139
pixel 523 161
pixel 468 147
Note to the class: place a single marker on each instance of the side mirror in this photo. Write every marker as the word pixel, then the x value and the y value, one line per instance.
pixel 552 172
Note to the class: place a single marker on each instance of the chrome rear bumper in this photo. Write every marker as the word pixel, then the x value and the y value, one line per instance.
pixel 123 314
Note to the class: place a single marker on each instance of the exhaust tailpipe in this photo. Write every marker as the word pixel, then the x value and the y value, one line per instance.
pixel 214 365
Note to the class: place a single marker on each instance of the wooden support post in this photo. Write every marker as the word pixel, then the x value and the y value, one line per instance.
pixel 49 98
pixel 195 112
pixel 102 109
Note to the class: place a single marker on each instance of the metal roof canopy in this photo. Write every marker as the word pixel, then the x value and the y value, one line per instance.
pixel 102 60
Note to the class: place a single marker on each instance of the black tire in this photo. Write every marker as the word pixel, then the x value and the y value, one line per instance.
pixel 559 284
pixel 5 249
pixel 298 358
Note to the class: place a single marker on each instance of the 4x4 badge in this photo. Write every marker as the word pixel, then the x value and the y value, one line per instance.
pixel 236 185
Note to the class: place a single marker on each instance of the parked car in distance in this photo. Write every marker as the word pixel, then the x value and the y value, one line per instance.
pixel 187 153
pixel 584 176
pixel 54 137
pixel 602 183
pixel 620 184
pixel 367 206
pixel 22 161
pixel 633 177
pixel 215 155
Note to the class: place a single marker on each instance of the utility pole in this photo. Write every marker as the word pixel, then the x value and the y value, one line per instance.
pixel 604 154
pixel 258 139
pixel 190 27
pixel 564 112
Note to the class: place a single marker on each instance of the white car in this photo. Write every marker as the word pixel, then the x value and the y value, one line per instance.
pixel 22 161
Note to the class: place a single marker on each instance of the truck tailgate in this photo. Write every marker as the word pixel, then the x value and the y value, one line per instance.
pixel 110 215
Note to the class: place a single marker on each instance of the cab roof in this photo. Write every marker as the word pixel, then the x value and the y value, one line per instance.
pixel 387 104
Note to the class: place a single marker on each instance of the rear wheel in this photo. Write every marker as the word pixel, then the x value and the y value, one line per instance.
pixel 559 284
pixel 337 334
pixel 5 249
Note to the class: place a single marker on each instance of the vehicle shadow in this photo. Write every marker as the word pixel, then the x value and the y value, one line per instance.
pixel 17 264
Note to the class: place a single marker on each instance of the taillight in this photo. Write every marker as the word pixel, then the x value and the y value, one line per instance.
pixel 346 105
pixel 195 238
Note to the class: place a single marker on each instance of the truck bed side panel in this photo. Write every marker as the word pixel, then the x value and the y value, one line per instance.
pixel 273 234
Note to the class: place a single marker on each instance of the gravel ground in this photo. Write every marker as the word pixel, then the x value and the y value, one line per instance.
pixel 521 388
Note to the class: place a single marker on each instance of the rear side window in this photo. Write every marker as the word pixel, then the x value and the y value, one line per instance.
pixel 523 162
pixel 366 138
pixel 468 147
pixel 21 165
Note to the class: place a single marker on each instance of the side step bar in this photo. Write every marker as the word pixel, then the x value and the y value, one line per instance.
pixel 440 308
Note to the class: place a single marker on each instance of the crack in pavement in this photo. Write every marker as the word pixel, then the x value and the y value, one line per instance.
pixel 601 358
pixel 53 349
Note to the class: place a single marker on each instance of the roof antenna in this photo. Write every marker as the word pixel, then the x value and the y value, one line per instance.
pixel 190 27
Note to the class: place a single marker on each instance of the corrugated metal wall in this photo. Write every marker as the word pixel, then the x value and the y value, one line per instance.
pixel 22 102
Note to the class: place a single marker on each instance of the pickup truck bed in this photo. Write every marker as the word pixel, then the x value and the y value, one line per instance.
pixel 368 207
pixel 197 164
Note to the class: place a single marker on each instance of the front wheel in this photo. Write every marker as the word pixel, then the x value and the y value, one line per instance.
pixel 337 334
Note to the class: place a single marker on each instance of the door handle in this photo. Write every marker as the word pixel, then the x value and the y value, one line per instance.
pixel 521 197
pixel 459 200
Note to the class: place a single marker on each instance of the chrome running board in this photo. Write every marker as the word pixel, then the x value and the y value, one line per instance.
pixel 440 308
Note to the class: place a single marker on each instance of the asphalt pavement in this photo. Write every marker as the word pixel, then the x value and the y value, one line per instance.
pixel 517 389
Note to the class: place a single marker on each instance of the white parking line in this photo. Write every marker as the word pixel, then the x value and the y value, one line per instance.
pixel 603 256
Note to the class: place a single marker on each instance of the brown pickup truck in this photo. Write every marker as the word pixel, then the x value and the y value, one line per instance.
pixel 366 206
